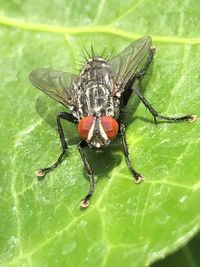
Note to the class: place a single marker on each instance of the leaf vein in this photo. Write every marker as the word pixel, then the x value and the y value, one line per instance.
pixel 146 204
pixel 105 29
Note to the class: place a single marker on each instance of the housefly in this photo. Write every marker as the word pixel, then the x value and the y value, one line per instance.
pixel 96 99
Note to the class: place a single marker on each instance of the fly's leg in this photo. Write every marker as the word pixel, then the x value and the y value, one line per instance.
pixel 156 115
pixel 85 202
pixel 65 116
pixel 138 177
pixel 142 72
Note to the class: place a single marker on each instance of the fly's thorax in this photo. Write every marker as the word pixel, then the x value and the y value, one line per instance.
pixel 93 64
pixel 98 131
pixel 94 90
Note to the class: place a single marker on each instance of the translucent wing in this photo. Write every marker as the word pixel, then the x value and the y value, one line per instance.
pixel 54 83
pixel 130 60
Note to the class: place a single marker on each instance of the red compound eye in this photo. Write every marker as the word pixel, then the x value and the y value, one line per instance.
pixel 84 126
pixel 110 126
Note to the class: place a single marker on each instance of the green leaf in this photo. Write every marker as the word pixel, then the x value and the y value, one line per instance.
pixel 188 256
pixel 126 224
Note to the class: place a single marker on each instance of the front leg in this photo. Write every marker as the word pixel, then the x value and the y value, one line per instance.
pixel 85 202
pixel 138 177
pixel 190 118
pixel 65 116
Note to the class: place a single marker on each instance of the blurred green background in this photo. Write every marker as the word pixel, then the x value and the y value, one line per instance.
pixel 41 223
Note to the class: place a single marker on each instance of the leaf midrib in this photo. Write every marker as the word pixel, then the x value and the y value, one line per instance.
pixel 106 29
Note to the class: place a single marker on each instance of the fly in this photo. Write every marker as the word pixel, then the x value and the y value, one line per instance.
pixel 96 99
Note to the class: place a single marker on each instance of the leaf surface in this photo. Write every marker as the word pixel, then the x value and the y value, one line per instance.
pixel 126 224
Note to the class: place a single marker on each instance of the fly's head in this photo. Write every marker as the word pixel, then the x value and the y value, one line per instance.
pixel 98 131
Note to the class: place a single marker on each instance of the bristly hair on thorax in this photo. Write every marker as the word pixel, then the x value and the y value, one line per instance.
pixel 88 54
